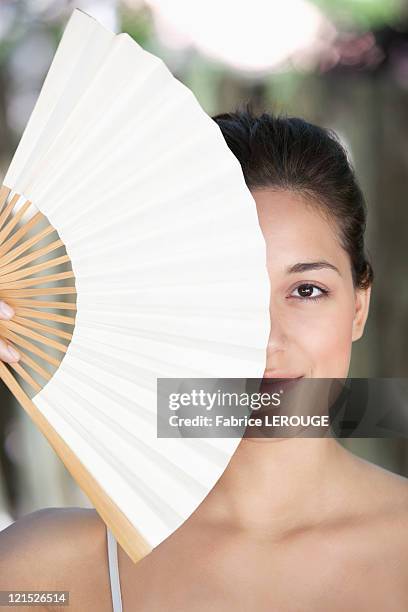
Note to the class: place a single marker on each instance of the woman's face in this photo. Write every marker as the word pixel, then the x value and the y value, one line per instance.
pixel 315 311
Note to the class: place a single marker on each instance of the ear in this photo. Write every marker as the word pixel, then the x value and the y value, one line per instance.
pixel 362 304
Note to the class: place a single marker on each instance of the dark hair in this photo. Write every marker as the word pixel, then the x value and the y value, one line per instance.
pixel 284 152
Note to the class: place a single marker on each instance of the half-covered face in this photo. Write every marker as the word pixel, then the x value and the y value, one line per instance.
pixel 315 311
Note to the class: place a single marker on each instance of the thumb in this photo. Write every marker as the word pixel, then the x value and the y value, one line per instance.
pixel 8 353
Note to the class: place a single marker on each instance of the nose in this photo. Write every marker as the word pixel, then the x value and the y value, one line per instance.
pixel 277 341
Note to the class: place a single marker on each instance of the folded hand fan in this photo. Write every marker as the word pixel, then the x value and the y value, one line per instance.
pixel 130 250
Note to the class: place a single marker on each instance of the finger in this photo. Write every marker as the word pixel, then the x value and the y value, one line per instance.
pixel 8 353
pixel 6 311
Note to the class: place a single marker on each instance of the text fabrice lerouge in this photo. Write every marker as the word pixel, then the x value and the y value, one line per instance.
pixel 275 420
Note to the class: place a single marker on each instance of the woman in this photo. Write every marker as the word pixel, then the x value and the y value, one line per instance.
pixel 293 524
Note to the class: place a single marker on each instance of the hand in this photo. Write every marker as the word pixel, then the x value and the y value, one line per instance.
pixel 7 352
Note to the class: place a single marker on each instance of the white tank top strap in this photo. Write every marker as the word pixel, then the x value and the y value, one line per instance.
pixel 114 571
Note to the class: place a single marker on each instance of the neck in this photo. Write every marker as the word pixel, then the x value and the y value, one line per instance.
pixel 274 485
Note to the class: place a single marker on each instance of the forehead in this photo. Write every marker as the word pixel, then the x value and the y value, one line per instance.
pixel 294 229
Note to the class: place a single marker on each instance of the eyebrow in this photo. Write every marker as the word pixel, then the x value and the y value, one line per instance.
pixel 311 265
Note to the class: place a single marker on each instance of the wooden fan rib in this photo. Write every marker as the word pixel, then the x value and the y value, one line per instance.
pixel 43 304
pixel 55 331
pixel 22 231
pixel 24 358
pixel 7 333
pixel 40 280
pixel 51 263
pixel 4 194
pixel 50 316
pixel 6 212
pixel 26 376
pixel 22 261
pixel 6 231
pixel 23 331
pixel 27 244
pixel 37 292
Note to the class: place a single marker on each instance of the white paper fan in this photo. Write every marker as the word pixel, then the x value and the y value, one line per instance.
pixel 130 249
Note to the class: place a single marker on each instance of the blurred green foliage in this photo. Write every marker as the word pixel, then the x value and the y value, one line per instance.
pixel 363 14
pixel 138 24
pixel 346 14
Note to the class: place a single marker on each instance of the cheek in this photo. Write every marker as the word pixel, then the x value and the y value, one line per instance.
pixel 325 335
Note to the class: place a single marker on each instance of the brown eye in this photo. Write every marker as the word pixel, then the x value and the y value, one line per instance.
pixel 308 291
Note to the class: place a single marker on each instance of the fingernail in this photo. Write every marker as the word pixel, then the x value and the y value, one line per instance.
pixel 13 353
pixel 6 310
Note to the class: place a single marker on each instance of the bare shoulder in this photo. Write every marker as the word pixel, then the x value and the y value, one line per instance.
pixel 394 488
pixel 387 485
pixel 57 549
pixel 386 511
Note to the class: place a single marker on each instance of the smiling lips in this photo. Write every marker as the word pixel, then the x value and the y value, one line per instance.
pixel 271 383
pixel 281 377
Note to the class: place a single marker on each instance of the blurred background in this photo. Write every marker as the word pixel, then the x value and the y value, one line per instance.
pixel 342 64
